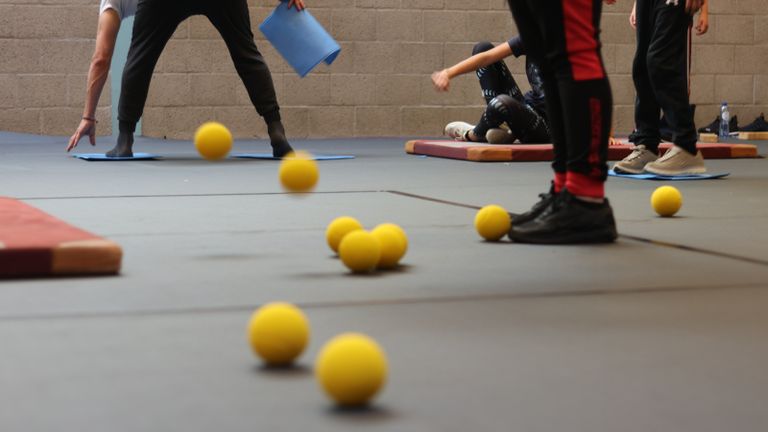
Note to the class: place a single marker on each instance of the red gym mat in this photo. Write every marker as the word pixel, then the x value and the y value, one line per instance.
pixel 34 243
pixel 543 152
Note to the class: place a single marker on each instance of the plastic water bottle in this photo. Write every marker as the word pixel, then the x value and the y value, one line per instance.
pixel 725 118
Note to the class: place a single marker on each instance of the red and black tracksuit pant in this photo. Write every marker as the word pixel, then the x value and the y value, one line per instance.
pixel 563 37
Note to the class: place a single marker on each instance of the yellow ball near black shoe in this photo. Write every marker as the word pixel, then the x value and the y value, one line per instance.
pixel 299 172
pixel 393 245
pixel 492 222
pixel 213 141
pixel 351 368
pixel 278 333
pixel 666 201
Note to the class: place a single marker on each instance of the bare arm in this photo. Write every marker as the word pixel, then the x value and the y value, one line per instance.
pixel 703 24
pixel 109 25
pixel 442 79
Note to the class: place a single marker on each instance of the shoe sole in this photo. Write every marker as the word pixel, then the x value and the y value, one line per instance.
pixel 620 170
pixel 677 173
pixel 603 235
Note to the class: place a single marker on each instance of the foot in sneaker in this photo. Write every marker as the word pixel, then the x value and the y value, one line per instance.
pixel 499 136
pixel 677 161
pixel 568 220
pixel 545 200
pixel 458 130
pixel 636 161
pixel 759 125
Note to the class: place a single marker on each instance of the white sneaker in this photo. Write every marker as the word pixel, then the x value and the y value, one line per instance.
pixel 499 136
pixel 458 130
pixel 677 161
pixel 636 161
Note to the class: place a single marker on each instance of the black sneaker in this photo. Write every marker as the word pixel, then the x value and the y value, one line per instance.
pixel 545 200
pixel 714 127
pixel 759 125
pixel 568 220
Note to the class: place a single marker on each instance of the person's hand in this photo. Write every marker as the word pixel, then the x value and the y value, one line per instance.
pixel 633 17
pixel 298 3
pixel 87 127
pixel 441 80
pixel 703 24
pixel 612 142
pixel 693 6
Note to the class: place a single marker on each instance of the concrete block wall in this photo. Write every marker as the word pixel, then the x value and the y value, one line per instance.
pixel 379 86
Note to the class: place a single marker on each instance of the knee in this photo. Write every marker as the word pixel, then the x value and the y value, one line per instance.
pixel 502 104
pixel 657 67
pixel 481 47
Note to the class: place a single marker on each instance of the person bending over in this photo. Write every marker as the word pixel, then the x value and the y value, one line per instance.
pixel 524 115
pixel 111 13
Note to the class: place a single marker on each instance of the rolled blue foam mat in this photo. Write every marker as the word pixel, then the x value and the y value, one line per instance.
pixel 650 176
pixel 268 156
pixel 299 38
pixel 101 157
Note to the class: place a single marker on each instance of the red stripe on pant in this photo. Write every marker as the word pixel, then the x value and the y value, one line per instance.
pixel 581 40
pixel 591 185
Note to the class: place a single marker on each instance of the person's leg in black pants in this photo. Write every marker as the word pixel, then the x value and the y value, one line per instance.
pixel 154 24
pixel 563 37
pixel 647 108
pixel 231 19
pixel 496 79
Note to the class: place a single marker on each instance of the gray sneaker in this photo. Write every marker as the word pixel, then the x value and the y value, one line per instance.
pixel 636 161
pixel 499 136
pixel 677 161
pixel 458 130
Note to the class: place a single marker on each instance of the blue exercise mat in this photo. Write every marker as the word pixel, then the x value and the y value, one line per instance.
pixel 268 156
pixel 101 157
pixel 299 38
pixel 649 176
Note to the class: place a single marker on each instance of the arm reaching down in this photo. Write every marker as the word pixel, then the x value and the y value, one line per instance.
pixel 442 79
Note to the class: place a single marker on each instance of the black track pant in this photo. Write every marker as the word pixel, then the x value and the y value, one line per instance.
pixel 155 23
pixel 506 103
pixel 563 37
pixel 660 74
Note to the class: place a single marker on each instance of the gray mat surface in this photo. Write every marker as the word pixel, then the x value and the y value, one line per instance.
pixel 664 330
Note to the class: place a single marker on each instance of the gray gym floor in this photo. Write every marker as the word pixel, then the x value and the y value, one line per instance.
pixel 663 331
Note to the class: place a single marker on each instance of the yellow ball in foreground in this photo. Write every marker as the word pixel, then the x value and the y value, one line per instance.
pixel 360 251
pixel 492 222
pixel 399 230
pixel 351 368
pixel 666 200
pixel 299 172
pixel 338 228
pixel 392 246
pixel 278 333
pixel 213 141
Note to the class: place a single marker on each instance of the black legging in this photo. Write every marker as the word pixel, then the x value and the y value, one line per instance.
pixel 155 23
pixel 506 103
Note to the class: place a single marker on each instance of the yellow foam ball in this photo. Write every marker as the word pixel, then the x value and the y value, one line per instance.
pixel 360 251
pixel 351 368
pixel 492 222
pixel 278 333
pixel 392 246
pixel 399 230
pixel 338 228
pixel 213 140
pixel 666 200
pixel 299 172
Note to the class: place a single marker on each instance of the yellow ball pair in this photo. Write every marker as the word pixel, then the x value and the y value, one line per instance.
pixel 351 367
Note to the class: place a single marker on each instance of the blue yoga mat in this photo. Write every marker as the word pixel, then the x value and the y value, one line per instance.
pixel 299 38
pixel 268 156
pixel 649 176
pixel 92 157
